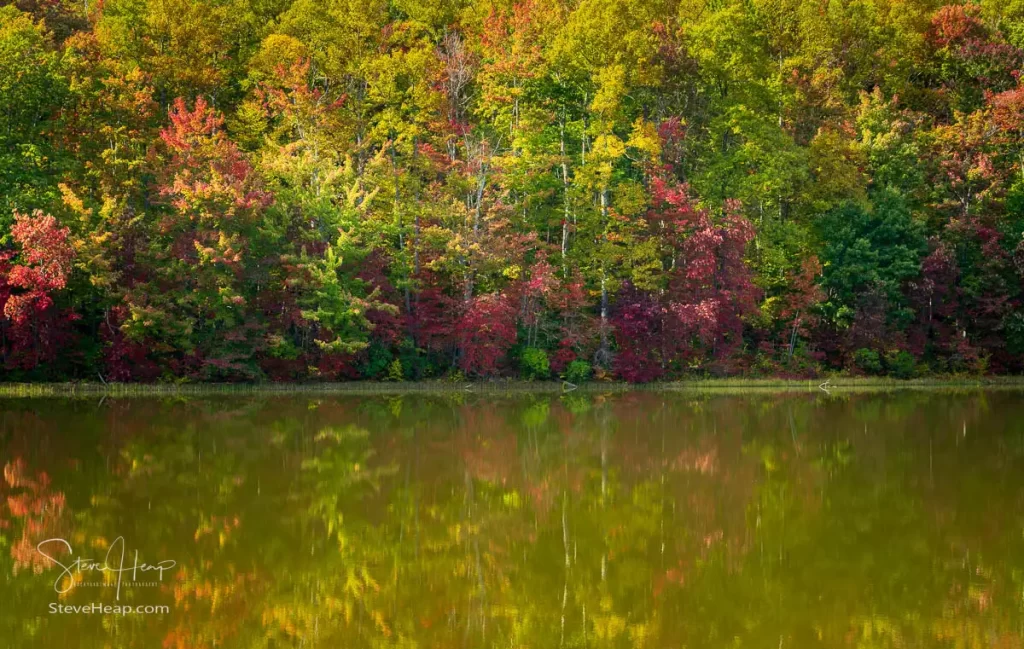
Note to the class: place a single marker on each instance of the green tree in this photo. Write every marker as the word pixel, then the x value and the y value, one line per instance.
pixel 869 250
pixel 33 90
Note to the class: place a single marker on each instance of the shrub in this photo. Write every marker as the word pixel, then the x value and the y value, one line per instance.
pixel 764 360
pixel 968 359
pixel 804 362
pixel 415 362
pixel 378 357
pixel 395 371
pixel 535 363
pixel 561 357
pixel 867 361
pixel 901 364
pixel 578 371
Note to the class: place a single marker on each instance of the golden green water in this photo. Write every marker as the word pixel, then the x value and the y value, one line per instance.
pixel 627 520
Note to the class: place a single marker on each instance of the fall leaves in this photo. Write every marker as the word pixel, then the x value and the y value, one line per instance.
pixel 403 190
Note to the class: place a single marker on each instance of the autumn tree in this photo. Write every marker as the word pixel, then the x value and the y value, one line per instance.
pixel 35 328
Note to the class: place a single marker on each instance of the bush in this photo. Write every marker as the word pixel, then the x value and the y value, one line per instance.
pixel 867 361
pixel 577 372
pixel 901 364
pixel 535 363
pixel 378 357
pixel 395 371
pixel 415 362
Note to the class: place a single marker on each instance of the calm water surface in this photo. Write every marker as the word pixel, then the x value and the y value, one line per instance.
pixel 631 520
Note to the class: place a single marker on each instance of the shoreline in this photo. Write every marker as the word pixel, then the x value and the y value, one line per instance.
pixel 441 387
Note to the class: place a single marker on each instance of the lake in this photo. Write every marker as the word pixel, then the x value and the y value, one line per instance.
pixel 646 519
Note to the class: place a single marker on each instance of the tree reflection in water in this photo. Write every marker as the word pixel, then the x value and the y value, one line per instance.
pixel 639 520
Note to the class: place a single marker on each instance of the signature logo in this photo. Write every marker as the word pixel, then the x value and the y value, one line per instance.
pixel 113 563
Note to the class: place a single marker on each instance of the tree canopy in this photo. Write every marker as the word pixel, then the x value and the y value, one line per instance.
pixel 295 190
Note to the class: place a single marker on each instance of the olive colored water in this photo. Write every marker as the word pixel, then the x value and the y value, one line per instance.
pixel 629 520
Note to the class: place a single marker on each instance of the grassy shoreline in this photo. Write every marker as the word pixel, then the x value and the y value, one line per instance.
pixel 829 384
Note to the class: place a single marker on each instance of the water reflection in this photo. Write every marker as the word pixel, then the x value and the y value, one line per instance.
pixel 633 520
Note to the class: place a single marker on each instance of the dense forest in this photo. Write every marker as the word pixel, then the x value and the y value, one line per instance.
pixel 241 190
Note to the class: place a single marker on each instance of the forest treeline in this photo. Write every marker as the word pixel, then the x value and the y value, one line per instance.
pixel 238 190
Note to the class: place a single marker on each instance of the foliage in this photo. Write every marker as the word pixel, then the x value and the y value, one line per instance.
pixel 865 252
pixel 289 190
pixel 900 364
pixel 486 332
pixel 34 328
pixel 535 363
pixel 32 91
pixel 395 371
pixel 578 371
pixel 868 361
